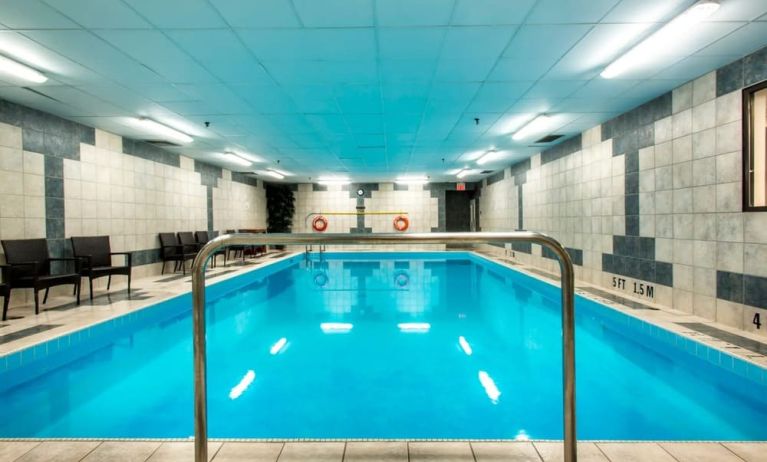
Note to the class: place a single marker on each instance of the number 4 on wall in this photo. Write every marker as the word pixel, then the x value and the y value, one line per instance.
pixel 757 321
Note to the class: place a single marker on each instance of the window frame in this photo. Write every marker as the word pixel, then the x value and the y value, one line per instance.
pixel 747 146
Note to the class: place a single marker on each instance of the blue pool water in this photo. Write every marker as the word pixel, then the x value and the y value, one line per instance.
pixel 427 345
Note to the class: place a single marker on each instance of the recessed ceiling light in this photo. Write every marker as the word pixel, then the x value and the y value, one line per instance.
pixel 164 130
pixel 235 159
pixel 411 180
pixel 274 174
pixel 490 156
pixel 20 71
pixel 535 126
pixel 662 41
pixel 325 180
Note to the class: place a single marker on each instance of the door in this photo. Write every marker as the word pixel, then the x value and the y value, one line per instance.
pixel 458 210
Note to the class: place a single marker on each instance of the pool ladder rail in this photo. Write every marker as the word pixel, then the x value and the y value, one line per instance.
pixel 308 240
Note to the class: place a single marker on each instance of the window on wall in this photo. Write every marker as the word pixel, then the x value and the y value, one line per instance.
pixel 755 147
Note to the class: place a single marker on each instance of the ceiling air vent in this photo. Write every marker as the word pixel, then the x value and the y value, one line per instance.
pixel 163 143
pixel 485 172
pixel 548 139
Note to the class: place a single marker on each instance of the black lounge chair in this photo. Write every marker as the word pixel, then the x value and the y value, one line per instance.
pixel 95 254
pixel 5 292
pixel 237 249
pixel 202 238
pixel 28 266
pixel 171 250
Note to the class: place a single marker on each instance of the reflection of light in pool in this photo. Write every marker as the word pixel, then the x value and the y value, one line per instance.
pixel 278 346
pixel 414 326
pixel 522 436
pixel 489 385
pixel 336 327
pixel 240 388
pixel 465 345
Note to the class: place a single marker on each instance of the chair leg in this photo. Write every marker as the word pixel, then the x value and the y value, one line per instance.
pixel 37 304
pixel 162 271
pixel 78 288
pixel 109 282
pixel 6 302
pixel 90 283
pixel 45 298
pixel 128 283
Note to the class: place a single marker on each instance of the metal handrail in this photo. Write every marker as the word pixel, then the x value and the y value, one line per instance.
pixel 198 307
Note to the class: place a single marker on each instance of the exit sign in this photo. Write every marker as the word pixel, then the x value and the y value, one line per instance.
pixel 460 187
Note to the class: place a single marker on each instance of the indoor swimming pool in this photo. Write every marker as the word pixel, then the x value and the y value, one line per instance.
pixel 381 345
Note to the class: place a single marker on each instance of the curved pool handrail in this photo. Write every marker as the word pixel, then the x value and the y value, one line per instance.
pixel 198 306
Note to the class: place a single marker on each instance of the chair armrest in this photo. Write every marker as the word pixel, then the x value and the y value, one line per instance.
pixel 7 269
pixel 128 256
pixel 78 261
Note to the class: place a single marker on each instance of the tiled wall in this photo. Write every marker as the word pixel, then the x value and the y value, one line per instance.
pixel 652 197
pixel 60 179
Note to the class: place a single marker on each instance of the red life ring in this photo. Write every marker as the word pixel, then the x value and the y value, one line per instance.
pixel 401 223
pixel 320 224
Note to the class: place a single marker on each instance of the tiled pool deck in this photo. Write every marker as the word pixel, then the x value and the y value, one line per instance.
pixel 60 317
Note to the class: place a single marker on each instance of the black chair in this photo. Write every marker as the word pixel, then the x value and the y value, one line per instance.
pixel 171 250
pixel 5 292
pixel 28 266
pixel 237 249
pixel 96 254
pixel 202 238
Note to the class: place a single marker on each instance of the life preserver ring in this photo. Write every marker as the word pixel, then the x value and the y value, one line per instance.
pixel 320 224
pixel 401 223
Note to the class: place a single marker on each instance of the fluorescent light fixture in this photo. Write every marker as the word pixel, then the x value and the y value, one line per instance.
pixel 491 390
pixel 336 327
pixel 20 71
pixel 535 126
pixel 489 156
pixel 247 156
pixel 240 388
pixel 278 346
pixel 662 41
pixel 411 180
pixel 325 180
pixel 235 159
pixel 414 326
pixel 464 344
pixel 274 174
pixel 462 173
pixel 164 130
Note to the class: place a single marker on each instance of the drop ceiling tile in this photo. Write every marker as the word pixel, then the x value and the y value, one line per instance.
pixel 178 14
pixel 490 12
pixel 520 69
pixel 544 41
pixel 100 14
pixel 498 96
pixel 265 99
pixel 310 44
pixel 693 67
pixel 598 48
pixel 323 72
pixel 152 49
pixel 261 13
pixel 476 42
pixel 554 88
pixel 359 99
pixel 605 88
pixel 237 65
pixel 335 13
pixel 33 14
pixel 754 33
pixel 740 10
pixel 649 89
pixel 397 13
pixel 463 70
pixel 559 12
pixel 417 43
pixel 639 11
pixel 365 123
pixel 407 71
pixel 95 54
